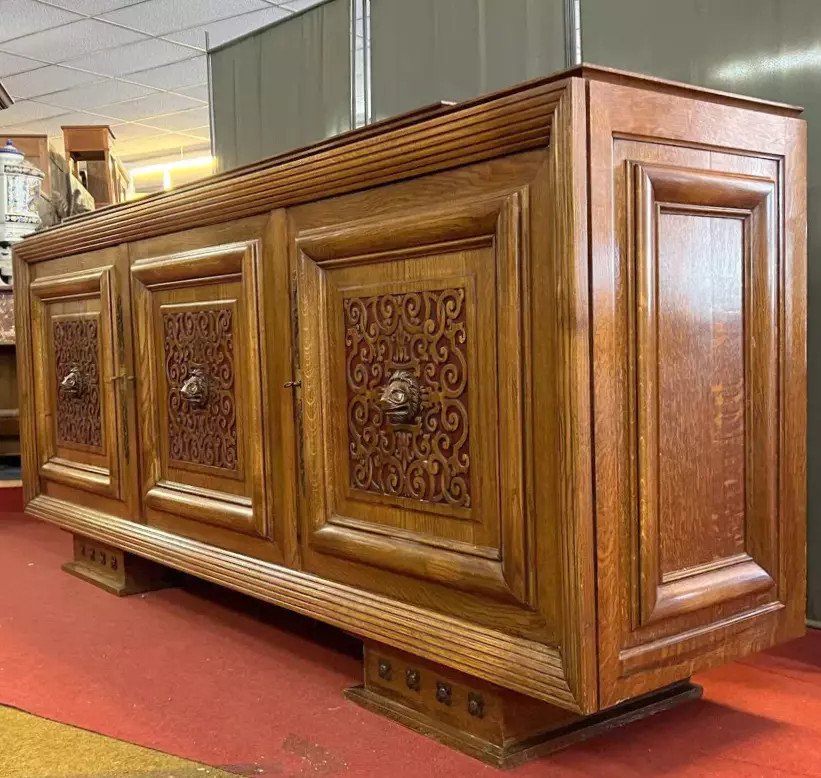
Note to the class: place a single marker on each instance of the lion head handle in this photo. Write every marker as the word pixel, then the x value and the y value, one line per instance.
pixel 195 388
pixel 72 383
pixel 401 397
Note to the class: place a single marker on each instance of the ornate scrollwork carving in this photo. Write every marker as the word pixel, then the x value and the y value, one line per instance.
pixel 407 392
pixel 201 401
pixel 76 348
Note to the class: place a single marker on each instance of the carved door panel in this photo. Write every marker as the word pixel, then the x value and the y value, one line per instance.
pixel 410 327
pixel 197 306
pixel 697 366
pixel 81 346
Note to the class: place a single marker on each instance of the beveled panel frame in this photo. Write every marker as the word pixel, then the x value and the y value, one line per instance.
pixel 749 152
pixel 660 189
pixel 224 276
pixel 486 235
pixel 90 468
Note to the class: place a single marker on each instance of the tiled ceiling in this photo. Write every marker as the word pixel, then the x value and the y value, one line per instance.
pixel 137 65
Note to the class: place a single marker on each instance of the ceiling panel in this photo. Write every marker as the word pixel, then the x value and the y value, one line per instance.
pixel 189 72
pixel 21 17
pixel 203 133
pixel 182 120
pixel 148 53
pixel 175 156
pixel 11 63
pixel 169 143
pixel 156 17
pixel 27 111
pixel 145 107
pixel 133 146
pixel 105 92
pixel 70 41
pixel 45 80
pixel 131 130
pixel 93 7
pixel 51 126
pixel 74 118
pixel 199 92
pixel 227 29
pixel 137 65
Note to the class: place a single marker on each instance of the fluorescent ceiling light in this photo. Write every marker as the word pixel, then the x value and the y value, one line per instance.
pixel 170 167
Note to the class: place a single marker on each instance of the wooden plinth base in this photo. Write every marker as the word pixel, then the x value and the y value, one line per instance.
pixel 496 725
pixel 116 571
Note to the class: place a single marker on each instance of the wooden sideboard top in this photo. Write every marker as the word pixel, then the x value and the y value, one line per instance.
pixel 426 140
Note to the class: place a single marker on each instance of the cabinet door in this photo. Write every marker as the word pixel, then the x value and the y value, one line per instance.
pixel 197 302
pixel 698 307
pixel 81 380
pixel 411 332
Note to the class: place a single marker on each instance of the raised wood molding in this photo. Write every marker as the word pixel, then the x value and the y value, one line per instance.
pixel 477 131
pixel 522 665
pixel 64 461
pixel 385 261
pixel 749 200
pixel 196 314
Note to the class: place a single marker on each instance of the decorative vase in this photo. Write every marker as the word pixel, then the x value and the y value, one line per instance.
pixel 20 184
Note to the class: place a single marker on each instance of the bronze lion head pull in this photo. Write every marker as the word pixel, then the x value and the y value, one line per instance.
pixel 72 383
pixel 401 398
pixel 195 388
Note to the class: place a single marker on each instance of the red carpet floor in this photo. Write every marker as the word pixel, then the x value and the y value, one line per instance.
pixel 218 678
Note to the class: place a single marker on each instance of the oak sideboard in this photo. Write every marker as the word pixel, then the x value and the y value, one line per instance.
pixel 513 389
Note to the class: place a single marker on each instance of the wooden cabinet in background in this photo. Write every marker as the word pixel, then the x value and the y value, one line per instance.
pixel 90 153
pixel 515 390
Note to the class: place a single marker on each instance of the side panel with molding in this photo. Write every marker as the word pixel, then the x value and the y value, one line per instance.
pixel 699 384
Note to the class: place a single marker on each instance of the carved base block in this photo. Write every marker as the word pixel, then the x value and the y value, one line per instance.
pixel 116 571
pixel 493 724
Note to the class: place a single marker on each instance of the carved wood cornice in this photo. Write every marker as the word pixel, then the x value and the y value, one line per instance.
pixel 514 121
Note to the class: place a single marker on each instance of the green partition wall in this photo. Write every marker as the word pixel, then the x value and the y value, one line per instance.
pixel 430 50
pixel 282 87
